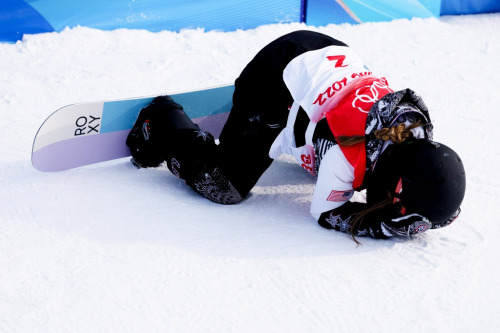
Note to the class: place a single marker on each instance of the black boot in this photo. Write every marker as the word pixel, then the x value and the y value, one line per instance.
pixel 153 130
pixel 163 132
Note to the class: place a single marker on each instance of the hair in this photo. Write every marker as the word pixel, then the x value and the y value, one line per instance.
pixel 397 134
pixel 359 217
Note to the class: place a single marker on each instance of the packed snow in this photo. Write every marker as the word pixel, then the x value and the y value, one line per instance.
pixel 110 248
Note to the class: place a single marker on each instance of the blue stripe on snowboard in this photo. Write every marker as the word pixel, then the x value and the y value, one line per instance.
pixel 203 103
pixel 116 115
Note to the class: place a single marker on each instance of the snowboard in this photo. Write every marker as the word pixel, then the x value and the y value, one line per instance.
pixel 88 133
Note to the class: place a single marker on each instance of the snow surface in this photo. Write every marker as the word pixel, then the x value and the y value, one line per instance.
pixel 109 248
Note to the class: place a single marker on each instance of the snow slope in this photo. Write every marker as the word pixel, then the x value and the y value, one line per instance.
pixel 110 248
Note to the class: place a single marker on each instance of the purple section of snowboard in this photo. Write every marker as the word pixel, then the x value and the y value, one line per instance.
pixel 85 150
pixel 212 124
pixel 81 151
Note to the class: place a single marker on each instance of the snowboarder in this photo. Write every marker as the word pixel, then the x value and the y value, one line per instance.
pixel 310 95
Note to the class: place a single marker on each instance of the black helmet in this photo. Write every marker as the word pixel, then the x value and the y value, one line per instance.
pixel 432 177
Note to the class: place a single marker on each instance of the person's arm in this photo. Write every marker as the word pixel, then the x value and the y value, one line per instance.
pixel 334 183
pixel 341 218
pixel 384 222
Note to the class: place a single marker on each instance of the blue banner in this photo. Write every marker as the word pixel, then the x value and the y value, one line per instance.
pixel 18 17
pixel 459 7
pixel 323 12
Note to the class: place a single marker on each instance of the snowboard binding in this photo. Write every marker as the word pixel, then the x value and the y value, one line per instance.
pixel 153 128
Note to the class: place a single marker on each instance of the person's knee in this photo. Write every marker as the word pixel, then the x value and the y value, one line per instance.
pixel 214 185
pixel 194 157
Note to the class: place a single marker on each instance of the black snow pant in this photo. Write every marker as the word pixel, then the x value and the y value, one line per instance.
pixel 261 104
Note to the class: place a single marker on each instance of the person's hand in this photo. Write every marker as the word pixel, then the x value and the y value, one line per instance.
pixel 390 221
pixel 407 225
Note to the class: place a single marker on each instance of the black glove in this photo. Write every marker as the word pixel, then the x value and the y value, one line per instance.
pixel 384 222
pixel 341 218
pixel 405 225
